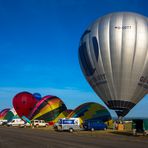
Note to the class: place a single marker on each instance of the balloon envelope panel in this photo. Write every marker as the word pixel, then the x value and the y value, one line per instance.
pixel 63 114
pixel 48 108
pixel 24 103
pixel 91 111
pixel 113 56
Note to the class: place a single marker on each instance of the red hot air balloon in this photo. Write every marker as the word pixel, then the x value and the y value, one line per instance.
pixel 23 103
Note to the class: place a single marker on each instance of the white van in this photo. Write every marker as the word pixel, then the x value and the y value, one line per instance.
pixel 69 124
pixel 16 122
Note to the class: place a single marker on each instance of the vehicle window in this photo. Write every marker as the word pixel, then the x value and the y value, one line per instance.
pixel 60 121
pixel 76 122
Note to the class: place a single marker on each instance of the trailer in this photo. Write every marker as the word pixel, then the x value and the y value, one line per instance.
pixel 140 126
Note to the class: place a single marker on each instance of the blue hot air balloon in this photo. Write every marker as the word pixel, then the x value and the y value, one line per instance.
pixel 37 96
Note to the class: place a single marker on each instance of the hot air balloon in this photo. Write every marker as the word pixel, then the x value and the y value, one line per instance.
pixel 113 56
pixel 90 111
pixel 10 115
pixel 24 103
pixel 3 113
pixel 48 109
pixel 37 96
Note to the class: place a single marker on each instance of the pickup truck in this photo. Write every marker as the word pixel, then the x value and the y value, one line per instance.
pixel 39 123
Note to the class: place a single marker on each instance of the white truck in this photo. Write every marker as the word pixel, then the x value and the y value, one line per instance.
pixel 68 124
pixel 16 122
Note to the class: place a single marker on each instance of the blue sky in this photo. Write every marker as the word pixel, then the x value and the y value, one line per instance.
pixel 39 42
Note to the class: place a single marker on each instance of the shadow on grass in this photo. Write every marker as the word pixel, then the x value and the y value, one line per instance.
pixel 128 133
pixel 125 133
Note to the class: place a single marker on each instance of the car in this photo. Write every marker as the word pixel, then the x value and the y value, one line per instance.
pixel 94 125
pixel 16 122
pixel 26 125
pixel 39 123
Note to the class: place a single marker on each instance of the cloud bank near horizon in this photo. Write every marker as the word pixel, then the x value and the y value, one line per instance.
pixel 72 97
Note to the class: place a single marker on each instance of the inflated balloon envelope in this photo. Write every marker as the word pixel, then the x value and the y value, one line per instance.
pixel 23 103
pixel 113 55
pixel 48 109
pixel 90 111
pixel 3 113
pixel 37 96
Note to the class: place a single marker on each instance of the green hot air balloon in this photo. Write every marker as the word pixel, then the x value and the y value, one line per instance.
pixel 113 56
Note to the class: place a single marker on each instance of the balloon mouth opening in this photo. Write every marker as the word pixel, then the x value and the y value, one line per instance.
pixel 121 113
pixel 121 107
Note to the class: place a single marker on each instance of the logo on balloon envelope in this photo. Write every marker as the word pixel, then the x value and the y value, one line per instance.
pixel 143 82
pixel 85 56
pixel 85 60
pixel 98 80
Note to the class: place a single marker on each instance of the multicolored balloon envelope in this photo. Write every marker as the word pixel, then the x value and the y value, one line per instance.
pixel 3 113
pixel 63 114
pixel 24 103
pixel 48 108
pixel 91 111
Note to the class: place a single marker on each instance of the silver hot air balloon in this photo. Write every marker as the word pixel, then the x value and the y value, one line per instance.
pixel 113 55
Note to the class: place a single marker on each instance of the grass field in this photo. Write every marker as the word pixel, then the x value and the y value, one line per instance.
pixel 110 131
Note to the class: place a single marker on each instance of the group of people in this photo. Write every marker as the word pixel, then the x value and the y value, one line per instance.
pixel 118 125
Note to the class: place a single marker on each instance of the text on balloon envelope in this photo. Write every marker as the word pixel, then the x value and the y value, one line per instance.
pixel 123 27
pixel 98 80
